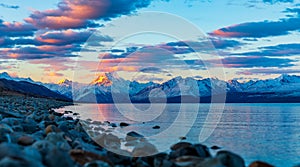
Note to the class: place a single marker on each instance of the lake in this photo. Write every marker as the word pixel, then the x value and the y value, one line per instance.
pixel 267 132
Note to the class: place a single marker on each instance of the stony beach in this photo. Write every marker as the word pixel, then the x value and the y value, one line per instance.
pixel 32 134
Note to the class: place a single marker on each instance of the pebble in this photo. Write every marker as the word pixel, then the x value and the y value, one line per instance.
pixel 215 147
pixel 26 140
pixel 51 128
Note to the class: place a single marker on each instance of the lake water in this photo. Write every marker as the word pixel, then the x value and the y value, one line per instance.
pixel 267 132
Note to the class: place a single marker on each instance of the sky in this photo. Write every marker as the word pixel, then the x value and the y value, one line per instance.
pixel 149 40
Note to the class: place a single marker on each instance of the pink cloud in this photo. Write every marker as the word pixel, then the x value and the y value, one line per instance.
pixel 79 13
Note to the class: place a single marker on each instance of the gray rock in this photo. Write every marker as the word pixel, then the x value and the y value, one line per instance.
pixel 133 136
pixel 10 149
pixel 43 146
pixel 32 154
pixel 58 140
pixel 11 114
pixel 26 140
pixel 63 125
pixel 180 145
pixel 187 149
pixel 144 148
pixel 58 158
pixel 12 162
pixel 190 161
pixel 30 127
pixel 108 141
pixel 202 150
pixel 230 159
pixel 12 121
pixel 161 159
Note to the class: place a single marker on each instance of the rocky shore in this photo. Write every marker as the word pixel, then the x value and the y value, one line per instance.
pixel 32 134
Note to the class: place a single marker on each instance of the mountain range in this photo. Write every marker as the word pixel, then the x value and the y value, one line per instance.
pixel 26 86
pixel 108 88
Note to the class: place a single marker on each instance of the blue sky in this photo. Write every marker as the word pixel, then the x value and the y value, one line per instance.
pixel 247 39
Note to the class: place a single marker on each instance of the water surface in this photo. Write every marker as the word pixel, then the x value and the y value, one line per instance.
pixel 267 132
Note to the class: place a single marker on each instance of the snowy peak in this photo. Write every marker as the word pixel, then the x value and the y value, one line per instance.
pixel 284 78
pixel 5 75
pixel 104 79
pixel 64 82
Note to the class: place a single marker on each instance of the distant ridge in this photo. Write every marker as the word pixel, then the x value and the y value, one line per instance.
pixel 283 89
pixel 8 87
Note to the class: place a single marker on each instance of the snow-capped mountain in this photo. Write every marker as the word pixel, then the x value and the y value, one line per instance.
pixel 6 76
pixel 63 87
pixel 108 88
pixel 284 83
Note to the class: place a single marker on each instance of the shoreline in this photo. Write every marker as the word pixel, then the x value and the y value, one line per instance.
pixel 33 134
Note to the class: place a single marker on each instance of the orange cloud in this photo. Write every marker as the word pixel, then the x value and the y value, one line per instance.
pixel 13 55
pixel 222 33
pixel 52 48
pixel 54 74
pixel 55 22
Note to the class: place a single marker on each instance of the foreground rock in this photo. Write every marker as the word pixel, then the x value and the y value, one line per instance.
pixel 32 134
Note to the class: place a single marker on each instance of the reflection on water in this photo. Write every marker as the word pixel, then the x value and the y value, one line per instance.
pixel 268 132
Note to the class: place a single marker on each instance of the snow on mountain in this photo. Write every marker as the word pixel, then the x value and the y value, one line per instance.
pixel 284 83
pixel 107 85
pixel 63 87
pixel 6 76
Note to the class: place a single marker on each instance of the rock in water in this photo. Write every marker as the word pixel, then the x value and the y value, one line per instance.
pixel 230 159
pixel 215 147
pixel 156 127
pixel 109 141
pixel 144 148
pixel 188 161
pixel 133 136
pixel 260 164
pixel 180 145
pixel 123 124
